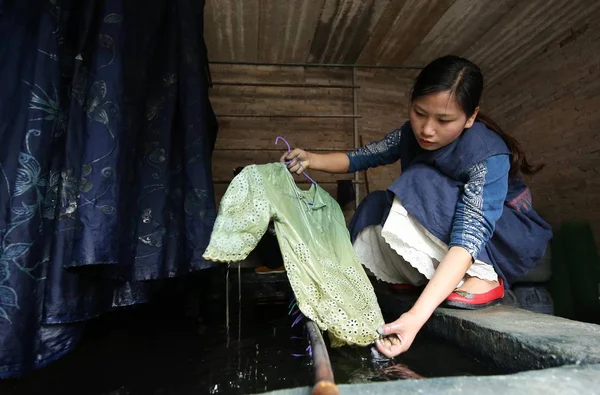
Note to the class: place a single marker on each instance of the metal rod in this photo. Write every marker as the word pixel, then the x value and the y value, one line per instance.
pixel 355 134
pixel 365 172
pixel 278 149
pixel 324 380
pixel 287 116
pixel 280 85
pixel 357 66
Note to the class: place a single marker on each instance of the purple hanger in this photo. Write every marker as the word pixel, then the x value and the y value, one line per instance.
pixel 289 161
pixel 289 149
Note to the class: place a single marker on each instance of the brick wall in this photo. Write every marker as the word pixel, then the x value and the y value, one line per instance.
pixel 381 101
pixel 552 105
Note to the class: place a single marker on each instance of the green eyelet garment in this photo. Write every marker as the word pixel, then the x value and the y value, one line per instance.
pixel 330 285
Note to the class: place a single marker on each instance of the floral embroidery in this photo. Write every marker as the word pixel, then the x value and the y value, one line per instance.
pixel 380 147
pixel 473 209
pixel 28 181
pixel 76 186
pixel 51 108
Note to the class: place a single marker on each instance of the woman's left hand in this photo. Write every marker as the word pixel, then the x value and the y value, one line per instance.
pixel 399 335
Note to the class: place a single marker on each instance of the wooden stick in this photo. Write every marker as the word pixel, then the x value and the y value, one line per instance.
pixel 324 381
pixel 287 116
pixel 283 85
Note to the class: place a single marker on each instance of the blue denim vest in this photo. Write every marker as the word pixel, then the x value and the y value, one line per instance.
pixel 521 235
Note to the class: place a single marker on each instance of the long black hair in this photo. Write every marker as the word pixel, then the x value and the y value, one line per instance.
pixel 464 80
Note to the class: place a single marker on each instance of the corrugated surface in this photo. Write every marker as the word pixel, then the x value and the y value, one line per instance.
pixel 460 27
pixel 525 32
pixel 231 28
pixel 497 34
pixel 402 27
pixel 344 28
pixel 286 29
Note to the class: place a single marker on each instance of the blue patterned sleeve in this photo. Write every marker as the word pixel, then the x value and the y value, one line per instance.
pixel 481 204
pixel 378 153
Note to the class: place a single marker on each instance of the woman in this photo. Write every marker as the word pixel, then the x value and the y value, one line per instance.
pixel 458 219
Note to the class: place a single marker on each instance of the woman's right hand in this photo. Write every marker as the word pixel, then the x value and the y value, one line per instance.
pixel 299 160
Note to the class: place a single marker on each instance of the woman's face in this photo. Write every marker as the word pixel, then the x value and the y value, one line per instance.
pixel 437 120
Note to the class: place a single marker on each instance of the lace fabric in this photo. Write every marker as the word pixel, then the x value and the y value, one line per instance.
pixel 330 285
pixel 416 253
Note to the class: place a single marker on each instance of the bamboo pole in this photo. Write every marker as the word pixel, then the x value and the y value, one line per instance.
pixel 324 380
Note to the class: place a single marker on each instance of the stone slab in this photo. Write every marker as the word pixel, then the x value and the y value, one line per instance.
pixel 566 380
pixel 513 339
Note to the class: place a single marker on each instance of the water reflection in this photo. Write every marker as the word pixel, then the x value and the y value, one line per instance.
pixel 159 350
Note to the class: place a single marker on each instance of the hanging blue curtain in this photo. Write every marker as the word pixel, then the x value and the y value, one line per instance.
pixel 106 138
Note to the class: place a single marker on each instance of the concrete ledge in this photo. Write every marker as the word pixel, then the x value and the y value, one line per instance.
pixel 565 380
pixel 513 339
pixel 553 355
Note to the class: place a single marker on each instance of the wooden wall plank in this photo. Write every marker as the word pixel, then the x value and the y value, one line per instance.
pixel 274 74
pixel 277 100
pixel 382 96
pixel 303 132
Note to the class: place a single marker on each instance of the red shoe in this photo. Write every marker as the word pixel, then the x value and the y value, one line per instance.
pixel 470 301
